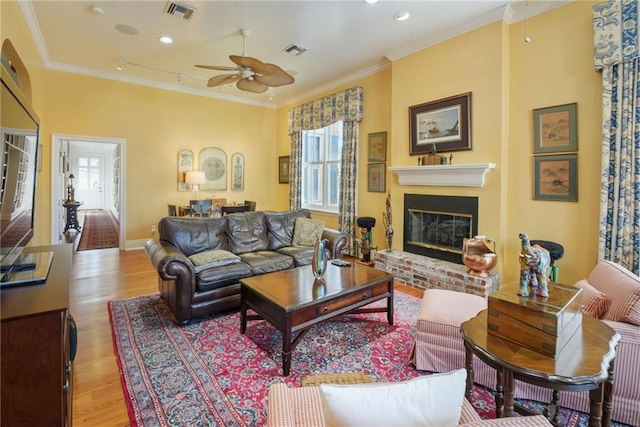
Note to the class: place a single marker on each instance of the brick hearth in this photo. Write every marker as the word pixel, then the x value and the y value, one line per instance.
pixel 422 272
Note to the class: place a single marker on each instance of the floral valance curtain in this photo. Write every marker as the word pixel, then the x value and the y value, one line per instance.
pixel 616 53
pixel 615 29
pixel 345 105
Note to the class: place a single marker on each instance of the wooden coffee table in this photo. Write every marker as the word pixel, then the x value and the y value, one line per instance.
pixel 585 363
pixel 292 301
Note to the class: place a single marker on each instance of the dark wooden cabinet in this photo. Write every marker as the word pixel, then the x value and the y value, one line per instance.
pixel 36 360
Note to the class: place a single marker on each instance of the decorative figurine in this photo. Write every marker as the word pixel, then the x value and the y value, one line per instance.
pixel 386 220
pixel 479 254
pixel 534 268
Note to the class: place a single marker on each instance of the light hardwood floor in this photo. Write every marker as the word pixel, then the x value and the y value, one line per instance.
pixel 100 276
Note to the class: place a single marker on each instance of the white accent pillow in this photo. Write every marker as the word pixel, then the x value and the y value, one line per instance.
pixel 213 258
pixel 432 400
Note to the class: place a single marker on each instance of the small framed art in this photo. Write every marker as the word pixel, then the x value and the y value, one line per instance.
pixel 442 125
pixel 378 147
pixel 555 129
pixel 283 169
pixel 237 171
pixel 376 177
pixel 555 177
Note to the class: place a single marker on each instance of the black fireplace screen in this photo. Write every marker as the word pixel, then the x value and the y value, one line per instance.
pixel 439 230
pixel 435 226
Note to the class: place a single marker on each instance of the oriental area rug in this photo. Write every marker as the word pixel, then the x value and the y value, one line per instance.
pixel 207 373
pixel 99 231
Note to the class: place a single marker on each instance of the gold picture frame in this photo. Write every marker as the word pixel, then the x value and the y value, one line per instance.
pixel 283 169
pixel 377 178
pixel 377 147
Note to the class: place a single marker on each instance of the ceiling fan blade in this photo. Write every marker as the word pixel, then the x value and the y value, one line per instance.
pixel 278 77
pixel 223 79
pixel 217 67
pixel 256 65
pixel 252 86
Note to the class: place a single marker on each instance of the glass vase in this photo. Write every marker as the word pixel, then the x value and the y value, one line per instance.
pixel 319 259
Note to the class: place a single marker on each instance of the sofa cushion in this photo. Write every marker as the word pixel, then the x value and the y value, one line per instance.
pixel 266 261
pixel 301 254
pixel 213 258
pixel 622 289
pixel 247 232
pixel 280 227
pixel 221 276
pixel 307 231
pixel 194 235
pixel 594 302
pixel 431 400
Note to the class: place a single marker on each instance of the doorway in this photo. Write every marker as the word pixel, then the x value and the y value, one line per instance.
pixel 97 165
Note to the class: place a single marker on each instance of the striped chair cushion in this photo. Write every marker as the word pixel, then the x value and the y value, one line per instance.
pixel 622 289
pixel 594 302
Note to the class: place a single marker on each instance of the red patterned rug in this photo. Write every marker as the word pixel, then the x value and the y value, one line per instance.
pixel 99 231
pixel 207 373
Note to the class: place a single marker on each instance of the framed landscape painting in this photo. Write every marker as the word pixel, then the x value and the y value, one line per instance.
pixel 442 125
pixel 555 177
pixel 555 129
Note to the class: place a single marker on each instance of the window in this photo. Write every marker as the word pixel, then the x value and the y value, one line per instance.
pixel 321 156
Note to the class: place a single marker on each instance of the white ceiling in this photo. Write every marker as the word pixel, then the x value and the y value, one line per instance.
pixel 345 39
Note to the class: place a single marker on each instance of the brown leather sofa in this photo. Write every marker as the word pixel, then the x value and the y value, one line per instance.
pixel 262 240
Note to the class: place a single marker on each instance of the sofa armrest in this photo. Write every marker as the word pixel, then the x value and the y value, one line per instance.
pixel 336 242
pixel 168 260
pixel 627 362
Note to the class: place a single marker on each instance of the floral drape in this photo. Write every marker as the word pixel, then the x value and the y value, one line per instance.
pixel 616 56
pixel 346 106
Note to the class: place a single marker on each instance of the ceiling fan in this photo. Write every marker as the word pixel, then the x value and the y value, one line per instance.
pixel 250 74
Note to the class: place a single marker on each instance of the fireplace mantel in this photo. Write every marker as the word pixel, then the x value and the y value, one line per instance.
pixel 471 175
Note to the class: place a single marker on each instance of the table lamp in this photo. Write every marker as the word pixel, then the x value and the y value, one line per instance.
pixel 194 179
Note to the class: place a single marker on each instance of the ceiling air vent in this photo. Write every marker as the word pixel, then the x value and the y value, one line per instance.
pixel 294 49
pixel 179 9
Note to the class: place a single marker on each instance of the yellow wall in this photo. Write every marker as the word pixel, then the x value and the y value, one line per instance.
pixel 507 77
pixel 156 124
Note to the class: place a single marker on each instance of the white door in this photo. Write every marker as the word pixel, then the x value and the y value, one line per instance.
pixel 89 182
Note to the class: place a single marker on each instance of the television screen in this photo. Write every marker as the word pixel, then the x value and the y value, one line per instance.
pixel 19 133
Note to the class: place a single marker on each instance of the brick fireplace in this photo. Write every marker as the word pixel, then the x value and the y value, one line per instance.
pixel 434 229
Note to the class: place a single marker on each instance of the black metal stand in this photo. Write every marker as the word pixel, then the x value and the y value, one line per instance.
pixel 72 215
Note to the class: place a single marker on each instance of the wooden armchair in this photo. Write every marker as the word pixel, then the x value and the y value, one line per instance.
pixel 234 209
pixel 200 208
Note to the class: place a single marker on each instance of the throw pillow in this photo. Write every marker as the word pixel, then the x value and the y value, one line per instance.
pixel 432 400
pixel 594 302
pixel 213 258
pixel 622 288
pixel 306 231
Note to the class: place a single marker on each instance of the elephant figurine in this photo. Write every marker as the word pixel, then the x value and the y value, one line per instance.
pixel 535 262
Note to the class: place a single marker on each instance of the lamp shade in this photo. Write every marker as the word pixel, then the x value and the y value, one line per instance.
pixel 195 177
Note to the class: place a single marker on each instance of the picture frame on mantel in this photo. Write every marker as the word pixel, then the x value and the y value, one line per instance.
pixel 440 126
pixel 555 177
pixel 555 129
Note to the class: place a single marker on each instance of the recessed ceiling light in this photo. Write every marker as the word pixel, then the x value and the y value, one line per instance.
pixel 401 16
pixel 127 29
pixel 165 39
pixel 370 1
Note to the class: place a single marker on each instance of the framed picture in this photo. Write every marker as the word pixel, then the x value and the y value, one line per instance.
pixel 185 164
pixel 555 129
pixel 237 171
pixel 442 125
pixel 213 162
pixel 283 169
pixel 555 177
pixel 376 177
pixel 39 157
pixel 378 147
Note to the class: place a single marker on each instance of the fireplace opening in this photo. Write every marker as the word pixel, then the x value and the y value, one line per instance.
pixel 435 226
